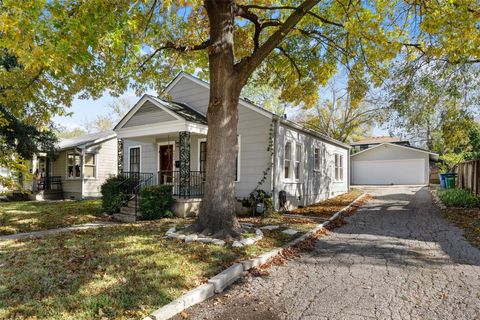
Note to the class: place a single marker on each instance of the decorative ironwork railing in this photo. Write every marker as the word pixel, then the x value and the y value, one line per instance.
pixel 132 184
pixel 50 183
pixel 185 185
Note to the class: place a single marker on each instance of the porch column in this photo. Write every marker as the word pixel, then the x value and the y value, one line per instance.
pixel 184 156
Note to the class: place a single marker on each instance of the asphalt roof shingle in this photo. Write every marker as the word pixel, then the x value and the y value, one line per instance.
pixel 85 140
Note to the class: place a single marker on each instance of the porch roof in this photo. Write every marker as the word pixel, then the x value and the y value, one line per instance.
pixel 183 110
pixel 86 140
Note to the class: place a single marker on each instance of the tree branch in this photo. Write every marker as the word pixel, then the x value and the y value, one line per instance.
pixel 292 61
pixel 244 12
pixel 313 14
pixel 247 65
pixel 180 48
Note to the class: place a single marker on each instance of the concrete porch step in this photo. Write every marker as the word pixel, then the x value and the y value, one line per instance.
pixel 132 204
pixel 127 210
pixel 124 217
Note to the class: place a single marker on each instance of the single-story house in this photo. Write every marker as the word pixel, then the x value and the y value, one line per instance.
pixel 390 163
pixel 165 140
pixel 4 172
pixel 79 169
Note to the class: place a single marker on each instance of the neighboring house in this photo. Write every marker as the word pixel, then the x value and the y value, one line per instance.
pixel 374 141
pixel 4 172
pixel 79 169
pixel 390 163
pixel 165 142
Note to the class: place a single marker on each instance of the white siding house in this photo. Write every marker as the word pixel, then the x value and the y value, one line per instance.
pixel 164 136
pixel 83 164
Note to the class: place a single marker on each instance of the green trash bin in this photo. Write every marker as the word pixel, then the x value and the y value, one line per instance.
pixel 450 181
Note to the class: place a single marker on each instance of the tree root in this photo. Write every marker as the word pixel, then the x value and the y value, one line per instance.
pixel 227 233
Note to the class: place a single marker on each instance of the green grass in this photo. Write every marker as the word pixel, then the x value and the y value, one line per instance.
pixel 120 272
pixel 27 216
pixel 458 198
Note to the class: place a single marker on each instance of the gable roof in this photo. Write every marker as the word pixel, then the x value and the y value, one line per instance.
pixel 183 110
pixel 432 154
pixel 250 105
pixel 86 140
pixel 375 140
pixel 312 132
pixel 243 101
pixel 178 110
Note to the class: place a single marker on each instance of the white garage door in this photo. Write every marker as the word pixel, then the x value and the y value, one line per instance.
pixel 411 171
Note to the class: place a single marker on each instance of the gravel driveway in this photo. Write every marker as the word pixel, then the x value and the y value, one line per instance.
pixel 396 259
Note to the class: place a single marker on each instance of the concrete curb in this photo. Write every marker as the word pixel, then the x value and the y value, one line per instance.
pixel 228 276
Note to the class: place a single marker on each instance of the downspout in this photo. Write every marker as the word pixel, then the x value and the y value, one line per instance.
pixel 349 172
pixel 274 163
pixel 82 174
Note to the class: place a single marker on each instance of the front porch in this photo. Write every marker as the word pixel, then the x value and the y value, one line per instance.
pixel 164 143
pixel 186 185
pixel 187 189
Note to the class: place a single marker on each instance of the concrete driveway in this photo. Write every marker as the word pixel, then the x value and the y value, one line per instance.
pixel 396 259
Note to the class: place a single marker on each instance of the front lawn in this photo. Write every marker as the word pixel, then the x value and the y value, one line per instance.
pixel 329 207
pixel 119 272
pixel 27 216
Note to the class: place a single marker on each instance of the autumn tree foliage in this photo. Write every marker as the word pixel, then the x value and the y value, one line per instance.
pixel 293 46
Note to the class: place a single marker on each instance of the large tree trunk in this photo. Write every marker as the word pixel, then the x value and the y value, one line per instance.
pixel 218 206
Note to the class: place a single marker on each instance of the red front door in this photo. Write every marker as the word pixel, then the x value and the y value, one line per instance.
pixel 166 163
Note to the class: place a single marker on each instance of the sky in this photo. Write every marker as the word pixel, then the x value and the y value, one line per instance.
pixel 86 110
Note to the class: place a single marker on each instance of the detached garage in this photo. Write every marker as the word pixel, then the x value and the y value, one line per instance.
pixel 389 163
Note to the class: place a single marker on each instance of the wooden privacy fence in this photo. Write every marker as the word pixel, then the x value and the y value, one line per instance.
pixel 469 175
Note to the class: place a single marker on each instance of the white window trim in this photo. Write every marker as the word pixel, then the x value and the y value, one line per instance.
pixel 292 157
pixel 95 174
pixel 300 178
pixel 128 157
pixel 165 143
pixel 239 158
pixel 66 164
pixel 198 151
pixel 335 167
pixel 319 160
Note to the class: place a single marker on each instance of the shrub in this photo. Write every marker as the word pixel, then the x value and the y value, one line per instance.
pixel 259 196
pixel 112 195
pixel 156 202
pixel 459 198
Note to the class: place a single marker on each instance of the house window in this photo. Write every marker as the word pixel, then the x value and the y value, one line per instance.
pixel 298 161
pixel 203 156
pixel 287 163
pixel 203 159
pixel 316 159
pixel 338 167
pixel 90 165
pixel 135 159
pixel 73 165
